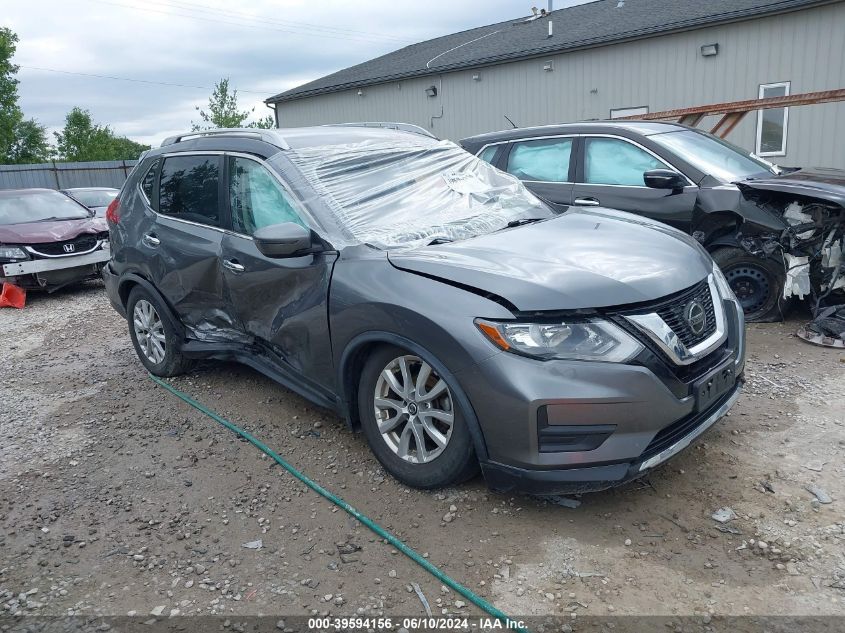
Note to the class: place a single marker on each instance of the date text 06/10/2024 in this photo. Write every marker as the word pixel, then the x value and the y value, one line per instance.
pixel 412 624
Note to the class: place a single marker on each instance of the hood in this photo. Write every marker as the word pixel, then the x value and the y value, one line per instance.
pixel 580 260
pixel 58 231
pixel 824 183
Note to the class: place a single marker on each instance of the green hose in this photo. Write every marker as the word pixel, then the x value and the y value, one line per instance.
pixel 375 527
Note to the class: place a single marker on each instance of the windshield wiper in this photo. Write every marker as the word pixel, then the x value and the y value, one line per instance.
pixel 523 221
pixel 57 219
pixel 439 240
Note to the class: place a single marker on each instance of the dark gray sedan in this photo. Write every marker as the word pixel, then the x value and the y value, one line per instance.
pixel 430 300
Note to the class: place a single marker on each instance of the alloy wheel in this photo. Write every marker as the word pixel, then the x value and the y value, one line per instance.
pixel 414 409
pixel 149 331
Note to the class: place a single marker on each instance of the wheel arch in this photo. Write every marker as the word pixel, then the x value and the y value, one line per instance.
pixel 719 228
pixel 129 281
pixel 352 361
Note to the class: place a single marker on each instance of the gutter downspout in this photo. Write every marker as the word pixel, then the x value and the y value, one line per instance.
pixel 275 113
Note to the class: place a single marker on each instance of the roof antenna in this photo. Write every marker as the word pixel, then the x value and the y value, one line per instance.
pixel 511 122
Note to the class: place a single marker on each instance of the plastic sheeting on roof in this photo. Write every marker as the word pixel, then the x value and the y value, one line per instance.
pixel 409 192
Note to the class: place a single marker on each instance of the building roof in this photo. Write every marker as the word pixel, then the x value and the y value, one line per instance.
pixel 582 26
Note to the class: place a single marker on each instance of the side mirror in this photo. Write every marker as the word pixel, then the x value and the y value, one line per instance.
pixel 664 179
pixel 283 240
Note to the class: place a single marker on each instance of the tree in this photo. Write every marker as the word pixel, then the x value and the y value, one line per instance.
pixel 82 140
pixel 21 140
pixel 223 111
pixel 30 144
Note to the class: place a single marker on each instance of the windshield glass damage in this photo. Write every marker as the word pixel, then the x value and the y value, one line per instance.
pixel 404 193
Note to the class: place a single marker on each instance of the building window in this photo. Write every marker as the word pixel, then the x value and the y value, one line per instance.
pixel 618 113
pixel 772 123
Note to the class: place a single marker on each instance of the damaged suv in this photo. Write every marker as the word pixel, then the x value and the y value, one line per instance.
pixel 776 233
pixel 429 299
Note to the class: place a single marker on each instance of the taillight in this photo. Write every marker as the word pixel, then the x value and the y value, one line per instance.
pixel 112 213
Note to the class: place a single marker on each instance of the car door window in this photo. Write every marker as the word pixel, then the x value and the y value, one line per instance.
pixel 188 189
pixel 489 153
pixel 610 161
pixel 257 198
pixel 545 160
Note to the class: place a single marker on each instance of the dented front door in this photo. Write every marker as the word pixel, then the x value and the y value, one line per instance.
pixel 282 302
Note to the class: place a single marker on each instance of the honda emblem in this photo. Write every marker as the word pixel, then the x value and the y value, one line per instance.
pixel 68 248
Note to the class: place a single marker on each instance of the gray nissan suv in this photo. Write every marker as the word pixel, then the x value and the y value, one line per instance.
pixel 430 300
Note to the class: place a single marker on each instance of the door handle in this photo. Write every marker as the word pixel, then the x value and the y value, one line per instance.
pixel 586 202
pixel 150 240
pixel 233 265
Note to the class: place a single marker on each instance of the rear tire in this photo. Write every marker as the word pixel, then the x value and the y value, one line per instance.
pixel 757 282
pixel 412 421
pixel 156 341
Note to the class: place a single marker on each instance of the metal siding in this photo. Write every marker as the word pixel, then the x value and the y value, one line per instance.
pixel 66 175
pixel 804 47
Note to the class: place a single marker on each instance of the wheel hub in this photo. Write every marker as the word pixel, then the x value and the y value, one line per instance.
pixel 413 409
pixel 750 285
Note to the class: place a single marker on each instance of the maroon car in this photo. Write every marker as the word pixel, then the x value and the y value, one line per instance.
pixel 48 240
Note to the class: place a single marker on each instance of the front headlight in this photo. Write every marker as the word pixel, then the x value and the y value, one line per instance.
pixel 591 339
pixel 12 252
pixel 722 284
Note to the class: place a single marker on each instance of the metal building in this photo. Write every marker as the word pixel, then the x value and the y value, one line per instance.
pixel 606 59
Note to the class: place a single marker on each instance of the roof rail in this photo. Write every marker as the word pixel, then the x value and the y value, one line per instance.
pixel 272 136
pixel 404 127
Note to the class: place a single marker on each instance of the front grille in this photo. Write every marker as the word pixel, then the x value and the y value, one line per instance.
pixel 674 432
pixel 673 314
pixel 81 244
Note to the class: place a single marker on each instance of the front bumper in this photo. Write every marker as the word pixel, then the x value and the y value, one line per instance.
pixel 504 478
pixel 34 266
pixel 574 426
pixel 55 272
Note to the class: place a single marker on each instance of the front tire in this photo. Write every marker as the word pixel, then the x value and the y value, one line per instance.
pixel 155 339
pixel 756 281
pixel 412 421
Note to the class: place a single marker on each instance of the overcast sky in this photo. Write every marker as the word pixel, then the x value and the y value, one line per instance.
pixel 264 46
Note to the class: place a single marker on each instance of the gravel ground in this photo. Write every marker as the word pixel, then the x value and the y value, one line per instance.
pixel 116 498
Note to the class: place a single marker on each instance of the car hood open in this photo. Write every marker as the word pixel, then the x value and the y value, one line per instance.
pixel 824 183
pixel 50 231
pixel 579 260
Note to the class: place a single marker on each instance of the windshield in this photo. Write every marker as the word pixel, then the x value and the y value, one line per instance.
pixel 714 156
pixel 408 192
pixel 94 197
pixel 39 206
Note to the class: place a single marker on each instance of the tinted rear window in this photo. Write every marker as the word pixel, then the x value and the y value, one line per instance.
pixel 189 189
pixel 148 181
pixel 39 206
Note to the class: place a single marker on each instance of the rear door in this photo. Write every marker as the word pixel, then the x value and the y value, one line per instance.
pixel 610 174
pixel 183 244
pixel 282 302
pixel 545 165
